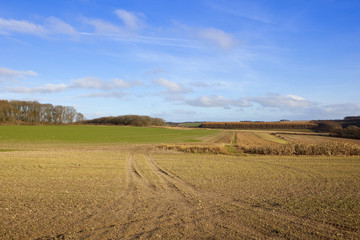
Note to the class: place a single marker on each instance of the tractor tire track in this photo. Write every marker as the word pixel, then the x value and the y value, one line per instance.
pixel 157 201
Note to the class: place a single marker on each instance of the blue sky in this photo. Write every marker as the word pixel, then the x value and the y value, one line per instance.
pixel 184 60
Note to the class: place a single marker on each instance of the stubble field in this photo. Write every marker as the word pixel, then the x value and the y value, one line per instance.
pixel 56 189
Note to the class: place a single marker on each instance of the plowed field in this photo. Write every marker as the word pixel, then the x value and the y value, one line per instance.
pixel 117 191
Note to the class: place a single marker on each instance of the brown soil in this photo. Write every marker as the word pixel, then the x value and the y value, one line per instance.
pixel 155 203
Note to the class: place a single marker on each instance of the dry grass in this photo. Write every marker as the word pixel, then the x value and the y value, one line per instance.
pixel 327 149
pixel 312 139
pixel 247 138
pixel 265 143
pixel 271 137
pixel 195 148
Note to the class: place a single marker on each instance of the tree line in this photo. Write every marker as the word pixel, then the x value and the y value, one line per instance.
pixel 127 120
pixel 33 112
pixel 347 128
pixel 259 125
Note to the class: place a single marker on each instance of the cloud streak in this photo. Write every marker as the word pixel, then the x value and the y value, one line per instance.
pixel 21 26
pixel 51 25
pixel 171 86
pixel 55 25
pixel 10 74
pixel 131 20
pixel 82 83
pixel 118 95
pixel 217 101
pixel 280 101
pixel 218 37
pixel 48 88
pixel 129 31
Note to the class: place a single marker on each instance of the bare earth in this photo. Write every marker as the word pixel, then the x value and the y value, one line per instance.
pixel 135 192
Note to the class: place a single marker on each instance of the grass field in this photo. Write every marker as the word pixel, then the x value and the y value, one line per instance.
pixel 100 134
pixel 106 189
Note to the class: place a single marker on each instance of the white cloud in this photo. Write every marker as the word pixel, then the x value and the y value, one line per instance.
pixel 280 101
pixel 131 20
pixel 171 86
pixel 331 111
pixel 217 101
pixel 119 83
pixel 21 26
pixel 6 73
pixel 212 101
pixel 88 82
pixel 219 37
pixel 96 83
pixel 56 25
pixel 52 25
pixel 48 88
pixel 81 83
pixel 103 27
pixel 343 109
pixel 286 102
pixel 117 95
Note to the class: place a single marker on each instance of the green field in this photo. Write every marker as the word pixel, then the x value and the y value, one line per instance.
pixel 100 134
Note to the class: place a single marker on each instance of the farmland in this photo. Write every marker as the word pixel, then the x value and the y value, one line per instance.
pixel 96 182
pixel 99 134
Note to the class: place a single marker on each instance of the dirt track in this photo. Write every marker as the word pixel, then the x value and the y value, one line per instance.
pixel 158 204
pixel 161 205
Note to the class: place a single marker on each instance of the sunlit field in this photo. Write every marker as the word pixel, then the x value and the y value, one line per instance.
pixel 116 183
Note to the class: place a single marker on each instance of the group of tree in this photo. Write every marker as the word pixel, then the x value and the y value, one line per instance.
pixel 127 120
pixel 347 128
pixel 259 125
pixel 33 112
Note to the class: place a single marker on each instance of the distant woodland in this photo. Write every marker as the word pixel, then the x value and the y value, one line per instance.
pixel 33 112
pixel 349 127
pixel 127 120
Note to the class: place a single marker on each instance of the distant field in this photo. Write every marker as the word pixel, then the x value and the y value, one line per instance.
pixel 100 134
pixel 190 124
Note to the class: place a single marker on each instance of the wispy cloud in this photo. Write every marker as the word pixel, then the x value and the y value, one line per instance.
pixel 21 26
pixel 118 95
pixel 280 101
pixel 10 74
pixel 134 21
pixel 171 86
pixel 56 25
pixel 51 25
pixel 217 101
pixel 329 110
pixel 48 88
pixel 247 11
pixel 102 27
pixel 219 37
pixel 176 112
pixel 96 83
pixel 82 83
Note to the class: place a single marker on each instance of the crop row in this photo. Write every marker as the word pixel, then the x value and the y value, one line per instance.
pixel 323 149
